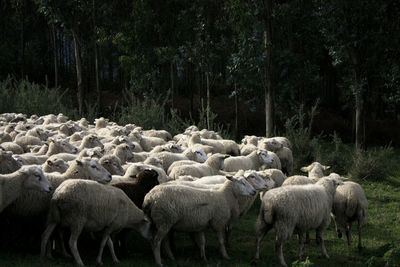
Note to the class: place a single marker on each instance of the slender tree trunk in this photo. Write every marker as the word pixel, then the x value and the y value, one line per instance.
pixel 78 63
pixel 96 56
pixel 358 89
pixel 236 114
pixel 55 54
pixel 171 68
pixel 208 108
pixel 268 64
pixel 22 41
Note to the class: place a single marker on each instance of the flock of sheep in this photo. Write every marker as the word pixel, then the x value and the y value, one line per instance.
pixel 106 178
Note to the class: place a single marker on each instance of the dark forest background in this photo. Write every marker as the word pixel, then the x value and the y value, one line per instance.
pixel 244 67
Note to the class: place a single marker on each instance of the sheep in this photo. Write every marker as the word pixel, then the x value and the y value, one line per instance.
pixel 55 165
pixel 154 160
pixel 231 147
pixel 133 170
pixel 246 149
pixel 87 205
pixel 217 147
pixel 250 139
pixel 29 159
pixel 182 208
pixel 112 164
pixel 300 208
pixel 167 158
pixel 210 167
pixel 252 161
pixel 5 137
pixel 57 146
pixel 275 174
pixel 95 152
pixel 349 205
pixel 158 133
pixel 169 147
pixel 12 185
pixel 34 204
pixel 275 143
pixel 123 152
pixel 7 163
pixel 275 164
pixel 90 141
pixel 315 172
pixel 136 191
pixel 284 153
pixel 39 133
pixel 25 141
pixel 147 143
pixel 13 147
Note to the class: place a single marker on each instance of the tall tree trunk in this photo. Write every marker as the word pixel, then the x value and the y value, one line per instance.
pixel 55 54
pixel 359 101
pixel 78 64
pixel 236 114
pixel 96 56
pixel 22 40
pixel 268 64
pixel 171 69
pixel 208 108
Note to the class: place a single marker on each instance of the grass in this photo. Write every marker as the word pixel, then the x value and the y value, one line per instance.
pixel 382 230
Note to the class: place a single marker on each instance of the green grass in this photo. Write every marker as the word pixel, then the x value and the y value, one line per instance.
pixel 382 230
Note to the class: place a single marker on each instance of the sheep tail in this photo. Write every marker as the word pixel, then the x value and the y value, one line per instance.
pixel 351 207
pixel 268 214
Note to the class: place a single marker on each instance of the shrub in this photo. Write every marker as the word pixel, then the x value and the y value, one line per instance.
pixel 30 98
pixel 392 257
pixel 305 263
pixel 304 147
pixel 338 156
pixel 373 164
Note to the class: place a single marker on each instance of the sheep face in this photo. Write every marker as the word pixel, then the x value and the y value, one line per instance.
pixel 8 162
pixel 113 166
pixel 62 146
pixel 200 155
pixel 241 187
pixel 315 165
pixel 57 165
pixel 272 144
pixel 264 157
pixel 258 182
pixel 92 141
pixel 34 178
pixel 92 169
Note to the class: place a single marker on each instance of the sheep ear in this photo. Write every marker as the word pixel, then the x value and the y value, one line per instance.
pixel 229 177
pixel 50 163
pixel 80 163
pixel 326 167
pixel 304 169
pixel 106 161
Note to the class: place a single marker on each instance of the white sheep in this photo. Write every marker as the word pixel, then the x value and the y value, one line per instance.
pixel 55 165
pixel 158 133
pixel 350 205
pixel 211 166
pixel 315 171
pixel 217 147
pixel 13 147
pixel 7 163
pixel 12 185
pixel 300 208
pixel 25 141
pixel 147 143
pixel 183 208
pixel 112 164
pixel 167 158
pixel 87 205
pixel 252 161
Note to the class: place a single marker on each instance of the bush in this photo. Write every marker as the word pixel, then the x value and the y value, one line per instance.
pixel 30 98
pixel 392 257
pixel 304 147
pixel 373 164
pixel 338 156
pixel 305 263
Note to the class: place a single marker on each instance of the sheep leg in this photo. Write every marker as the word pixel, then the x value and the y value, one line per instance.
pixel 45 238
pixel 221 241
pixel 279 251
pixel 110 245
pixel 359 234
pixel 167 247
pixel 156 244
pixel 106 236
pixel 322 244
pixel 201 243
pixel 261 230
pixel 348 234
pixel 73 240
pixel 301 246
pixel 62 244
